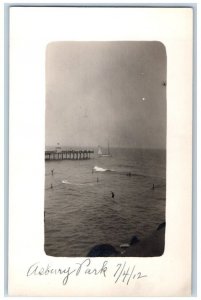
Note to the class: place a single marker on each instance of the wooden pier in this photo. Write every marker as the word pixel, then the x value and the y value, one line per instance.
pixel 68 155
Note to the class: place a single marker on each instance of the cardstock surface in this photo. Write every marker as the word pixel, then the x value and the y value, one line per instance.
pixel 31 271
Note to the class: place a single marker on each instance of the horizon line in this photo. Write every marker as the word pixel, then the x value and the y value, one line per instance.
pixel 93 146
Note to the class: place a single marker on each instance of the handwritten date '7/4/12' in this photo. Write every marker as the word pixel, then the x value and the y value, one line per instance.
pixel 125 273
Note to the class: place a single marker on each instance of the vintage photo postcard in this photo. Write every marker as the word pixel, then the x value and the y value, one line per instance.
pixel 100 151
pixel 105 103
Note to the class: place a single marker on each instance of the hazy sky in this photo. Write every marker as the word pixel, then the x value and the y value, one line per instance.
pixel 100 91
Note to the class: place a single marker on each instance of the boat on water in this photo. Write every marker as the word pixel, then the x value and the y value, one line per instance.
pixel 101 154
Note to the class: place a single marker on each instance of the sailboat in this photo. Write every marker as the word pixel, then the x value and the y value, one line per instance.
pixel 101 154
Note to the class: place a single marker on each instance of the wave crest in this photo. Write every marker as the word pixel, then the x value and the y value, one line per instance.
pixel 73 183
pixel 99 169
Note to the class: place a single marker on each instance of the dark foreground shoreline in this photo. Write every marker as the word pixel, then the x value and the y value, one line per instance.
pixel 151 246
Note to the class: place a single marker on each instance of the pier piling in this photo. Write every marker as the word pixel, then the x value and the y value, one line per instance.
pixel 68 155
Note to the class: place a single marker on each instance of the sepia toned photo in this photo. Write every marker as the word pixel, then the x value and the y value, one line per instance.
pixel 100 151
pixel 105 158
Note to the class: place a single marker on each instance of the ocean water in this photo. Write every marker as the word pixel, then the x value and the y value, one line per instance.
pixel 80 211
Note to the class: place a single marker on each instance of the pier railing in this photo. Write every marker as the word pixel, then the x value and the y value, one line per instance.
pixel 68 155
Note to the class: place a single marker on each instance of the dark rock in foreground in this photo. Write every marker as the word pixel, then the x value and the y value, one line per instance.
pixel 162 225
pixel 151 246
pixel 134 240
pixel 103 250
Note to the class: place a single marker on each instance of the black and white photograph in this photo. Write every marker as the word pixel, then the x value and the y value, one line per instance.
pixel 105 149
pixel 100 151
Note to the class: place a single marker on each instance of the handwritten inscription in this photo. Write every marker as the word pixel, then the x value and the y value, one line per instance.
pixel 126 273
pixel 120 273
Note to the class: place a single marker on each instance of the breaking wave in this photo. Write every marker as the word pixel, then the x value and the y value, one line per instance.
pixel 99 169
pixel 74 183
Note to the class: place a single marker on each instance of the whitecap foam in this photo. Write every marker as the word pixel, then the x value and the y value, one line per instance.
pixel 99 169
pixel 66 182
pixel 79 184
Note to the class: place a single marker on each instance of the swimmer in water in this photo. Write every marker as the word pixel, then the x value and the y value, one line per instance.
pixel 112 194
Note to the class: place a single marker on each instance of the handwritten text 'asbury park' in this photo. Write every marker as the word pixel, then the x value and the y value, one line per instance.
pixel 123 272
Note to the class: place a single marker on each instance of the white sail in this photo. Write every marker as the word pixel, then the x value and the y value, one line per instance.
pixel 99 151
pixel 104 154
pixel 108 149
